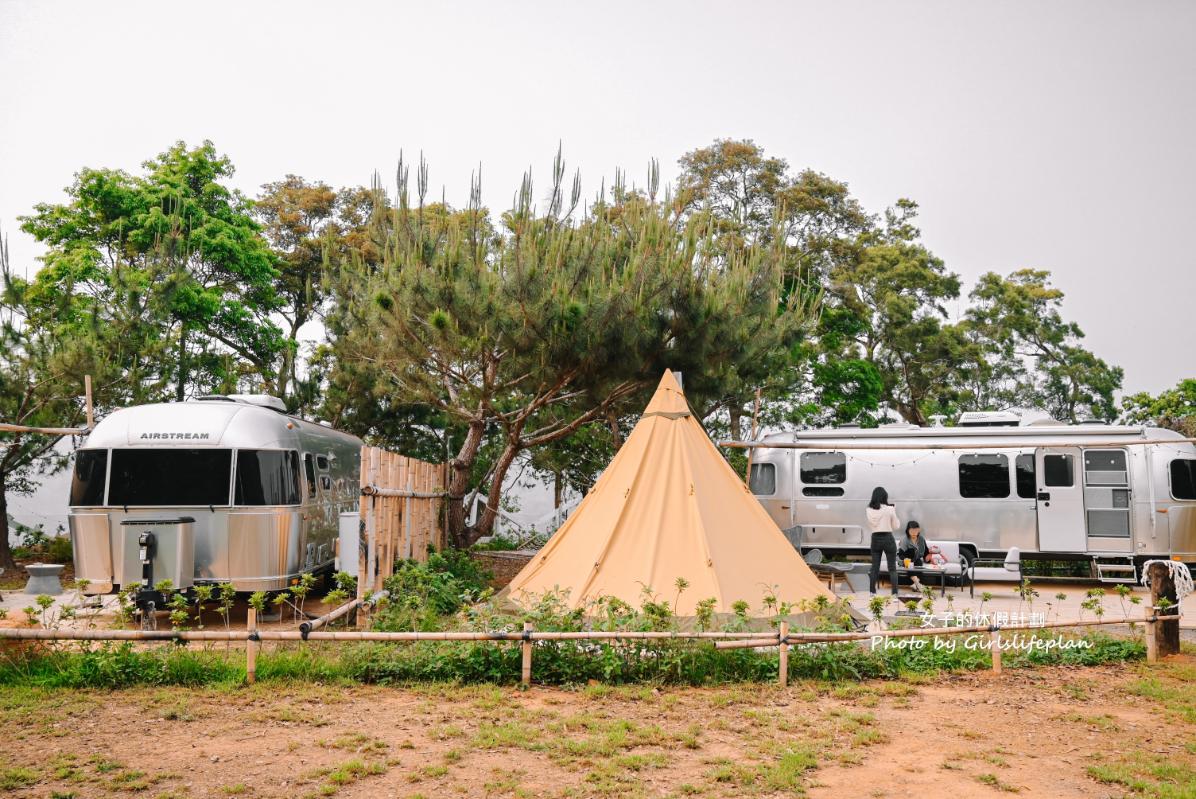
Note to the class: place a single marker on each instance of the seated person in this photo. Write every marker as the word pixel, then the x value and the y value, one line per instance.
pixel 912 546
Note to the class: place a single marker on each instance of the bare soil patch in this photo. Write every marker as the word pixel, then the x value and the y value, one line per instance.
pixel 1051 732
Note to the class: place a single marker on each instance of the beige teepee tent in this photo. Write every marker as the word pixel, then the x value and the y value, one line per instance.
pixel 667 507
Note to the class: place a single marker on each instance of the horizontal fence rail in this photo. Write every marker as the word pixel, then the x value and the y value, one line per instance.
pixel 527 637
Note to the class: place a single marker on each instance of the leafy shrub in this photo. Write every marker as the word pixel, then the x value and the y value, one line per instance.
pixel 423 595
pixel 58 549
pixel 662 661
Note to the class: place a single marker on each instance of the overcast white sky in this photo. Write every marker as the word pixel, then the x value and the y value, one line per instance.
pixel 1055 135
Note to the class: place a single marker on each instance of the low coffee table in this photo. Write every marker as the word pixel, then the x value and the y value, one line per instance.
pixel 925 571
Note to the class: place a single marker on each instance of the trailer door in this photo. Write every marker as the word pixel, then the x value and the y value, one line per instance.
pixel 1060 500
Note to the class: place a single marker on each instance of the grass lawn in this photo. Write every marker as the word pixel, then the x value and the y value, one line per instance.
pixel 1112 730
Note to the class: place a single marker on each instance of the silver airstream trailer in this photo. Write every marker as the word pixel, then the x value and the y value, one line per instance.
pixel 219 489
pixel 997 481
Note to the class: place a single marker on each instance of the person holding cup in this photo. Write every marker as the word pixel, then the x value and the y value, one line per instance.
pixel 912 548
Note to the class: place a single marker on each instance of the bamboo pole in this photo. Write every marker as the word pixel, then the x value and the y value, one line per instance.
pixel 375 491
pixel 526 677
pixel 380 520
pixel 724 640
pixel 995 637
pixel 44 431
pixel 404 484
pixel 830 638
pixel 783 659
pixel 372 527
pixel 366 500
pixel 87 406
pixel 331 616
pixel 251 647
pixel 421 531
pixel 1152 643
pixel 831 445
pixel 408 533
pixel 747 475
pixel 392 518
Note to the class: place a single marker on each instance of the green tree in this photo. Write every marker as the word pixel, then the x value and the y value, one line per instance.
pixel 896 290
pixel 1020 316
pixel 1174 409
pixel 181 246
pixel 812 221
pixel 305 223
pixel 42 369
pixel 526 335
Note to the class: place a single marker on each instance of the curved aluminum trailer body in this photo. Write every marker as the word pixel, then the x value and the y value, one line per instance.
pixel 263 489
pixel 1053 491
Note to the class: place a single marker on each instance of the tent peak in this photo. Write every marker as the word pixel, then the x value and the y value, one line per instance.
pixel 669 398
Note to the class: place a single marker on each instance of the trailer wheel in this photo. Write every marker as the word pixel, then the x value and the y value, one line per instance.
pixel 969 555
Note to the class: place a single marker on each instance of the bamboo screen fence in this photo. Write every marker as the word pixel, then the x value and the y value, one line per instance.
pixel 402 513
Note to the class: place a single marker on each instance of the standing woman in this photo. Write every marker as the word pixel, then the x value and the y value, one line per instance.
pixel 882 519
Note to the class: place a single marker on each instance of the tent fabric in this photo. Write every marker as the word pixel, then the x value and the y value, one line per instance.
pixel 669 506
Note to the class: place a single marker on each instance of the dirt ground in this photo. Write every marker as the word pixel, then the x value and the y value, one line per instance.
pixel 1058 732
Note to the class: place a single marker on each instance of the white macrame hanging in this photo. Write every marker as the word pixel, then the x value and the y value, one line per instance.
pixel 1180 574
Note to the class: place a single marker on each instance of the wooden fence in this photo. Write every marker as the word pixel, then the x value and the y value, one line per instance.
pixel 782 639
pixel 402 513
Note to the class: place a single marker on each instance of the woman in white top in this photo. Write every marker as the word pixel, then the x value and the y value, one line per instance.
pixel 882 519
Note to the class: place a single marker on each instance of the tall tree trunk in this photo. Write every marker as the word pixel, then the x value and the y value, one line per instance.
pixel 736 414
pixel 485 524
pixel 612 421
pixel 6 560
pixel 287 380
pixel 558 489
pixel 458 482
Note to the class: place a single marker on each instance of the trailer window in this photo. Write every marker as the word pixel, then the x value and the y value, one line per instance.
pixel 763 479
pixel 821 468
pixel 267 477
pixel 983 476
pixel 309 471
pixel 1024 466
pixel 146 477
pixel 87 482
pixel 1058 471
pixel 1105 467
pixel 1183 478
pixel 322 463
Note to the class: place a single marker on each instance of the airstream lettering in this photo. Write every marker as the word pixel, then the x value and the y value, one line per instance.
pixel 253 495
pixel 1087 492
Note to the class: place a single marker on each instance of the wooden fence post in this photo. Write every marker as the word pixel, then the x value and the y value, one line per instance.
pixel 526 677
pixel 1165 633
pixel 995 636
pixel 784 654
pixel 371 529
pixel 251 648
pixel 1152 643
pixel 363 524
